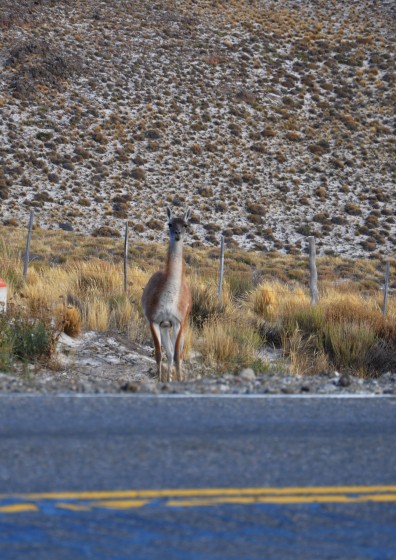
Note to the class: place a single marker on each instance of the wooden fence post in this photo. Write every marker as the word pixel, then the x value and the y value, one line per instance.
pixel 27 250
pixel 126 258
pixel 386 288
pixel 221 269
pixel 313 274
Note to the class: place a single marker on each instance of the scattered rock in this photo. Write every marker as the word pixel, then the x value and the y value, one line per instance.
pixel 66 226
pixel 344 381
pixel 129 387
pixel 223 388
pixel 327 388
pixel 247 374
pixel 109 363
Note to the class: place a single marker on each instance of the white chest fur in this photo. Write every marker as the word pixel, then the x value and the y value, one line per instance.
pixel 168 302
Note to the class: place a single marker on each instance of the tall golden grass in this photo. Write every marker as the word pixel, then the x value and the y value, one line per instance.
pixel 346 330
pixel 229 344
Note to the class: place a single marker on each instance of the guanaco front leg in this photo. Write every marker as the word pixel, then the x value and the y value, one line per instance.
pixel 179 343
pixel 168 345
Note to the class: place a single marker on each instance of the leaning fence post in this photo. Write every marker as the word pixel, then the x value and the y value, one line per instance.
pixel 313 274
pixel 126 258
pixel 221 269
pixel 386 288
pixel 27 250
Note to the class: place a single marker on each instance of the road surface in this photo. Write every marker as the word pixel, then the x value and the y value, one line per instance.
pixel 144 477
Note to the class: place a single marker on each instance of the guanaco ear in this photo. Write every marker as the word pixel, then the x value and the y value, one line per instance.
pixel 187 216
pixel 169 212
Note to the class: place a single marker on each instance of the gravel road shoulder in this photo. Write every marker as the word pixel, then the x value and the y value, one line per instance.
pixel 110 363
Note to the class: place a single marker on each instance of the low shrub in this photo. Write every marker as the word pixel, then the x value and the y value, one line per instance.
pixel 25 338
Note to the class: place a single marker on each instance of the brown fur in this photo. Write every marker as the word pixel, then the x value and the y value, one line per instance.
pixel 151 299
pixel 152 293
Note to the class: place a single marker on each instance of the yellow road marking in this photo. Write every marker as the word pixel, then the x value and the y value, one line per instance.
pixel 109 504
pixel 282 500
pixel 17 508
pixel 198 492
pixel 120 504
pixel 199 497
pixel 74 507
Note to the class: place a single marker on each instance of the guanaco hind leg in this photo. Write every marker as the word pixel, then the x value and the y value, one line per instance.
pixel 156 334
pixel 179 343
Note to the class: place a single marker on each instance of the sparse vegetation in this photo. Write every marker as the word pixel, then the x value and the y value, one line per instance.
pixel 25 337
pixel 345 331
pixel 271 124
pixel 91 110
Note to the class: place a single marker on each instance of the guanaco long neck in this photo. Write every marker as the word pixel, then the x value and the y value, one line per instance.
pixel 174 262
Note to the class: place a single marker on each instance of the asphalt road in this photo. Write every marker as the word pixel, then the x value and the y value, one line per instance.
pixel 197 478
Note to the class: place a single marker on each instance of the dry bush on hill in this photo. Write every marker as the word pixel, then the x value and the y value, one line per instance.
pixel 40 63
pixel 249 103
pixel 23 12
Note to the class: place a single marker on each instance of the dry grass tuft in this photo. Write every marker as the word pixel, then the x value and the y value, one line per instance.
pixel 265 300
pixel 206 303
pixel 69 320
pixel 349 344
pixel 96 315
pixel 304 355
pixel 228 345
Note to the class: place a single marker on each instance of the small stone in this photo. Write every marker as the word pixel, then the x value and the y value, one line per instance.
pixel 327 388
pixel 325 374
pixel 129 387
pixel 344 381
pixel 65 226
pixel 247 374
pixel 372 383
pixel 112 359
pixel 305 389
pixel 223 388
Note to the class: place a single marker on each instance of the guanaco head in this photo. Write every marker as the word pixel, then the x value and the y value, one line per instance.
pixel 178 226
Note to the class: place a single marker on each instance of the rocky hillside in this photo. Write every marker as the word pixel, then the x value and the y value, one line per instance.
pixel 272 120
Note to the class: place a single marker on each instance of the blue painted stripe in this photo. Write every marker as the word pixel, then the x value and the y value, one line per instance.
pixel 364 532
